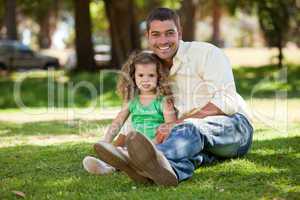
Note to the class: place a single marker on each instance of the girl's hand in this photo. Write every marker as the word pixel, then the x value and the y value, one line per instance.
pixel 163 131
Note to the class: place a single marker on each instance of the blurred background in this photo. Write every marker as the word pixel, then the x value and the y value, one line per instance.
pixel 97 34
pixel 76 38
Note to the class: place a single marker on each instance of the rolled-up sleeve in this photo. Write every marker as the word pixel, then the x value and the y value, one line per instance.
pixel 218 76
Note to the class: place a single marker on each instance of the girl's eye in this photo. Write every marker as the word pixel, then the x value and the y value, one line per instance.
pixel 141 75
pixel 151 75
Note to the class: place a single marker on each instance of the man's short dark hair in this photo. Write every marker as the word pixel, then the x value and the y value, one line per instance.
pixel 163 14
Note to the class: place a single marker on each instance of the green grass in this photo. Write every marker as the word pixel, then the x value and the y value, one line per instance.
pixel 265 81
pixel 58 89
pixel 43 159
pixel 42 171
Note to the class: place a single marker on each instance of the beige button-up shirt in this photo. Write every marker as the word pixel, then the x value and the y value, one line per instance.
pixel 201 73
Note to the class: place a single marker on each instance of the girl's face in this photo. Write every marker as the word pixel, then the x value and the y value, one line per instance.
pixel 146 78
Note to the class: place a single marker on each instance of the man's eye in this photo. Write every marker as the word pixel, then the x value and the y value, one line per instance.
pixel 155 34
pixel 170 33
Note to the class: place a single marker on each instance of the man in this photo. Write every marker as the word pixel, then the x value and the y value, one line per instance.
pixel 213 121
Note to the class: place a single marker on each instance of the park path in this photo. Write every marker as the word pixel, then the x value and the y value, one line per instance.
pixel 262 109
pixel 38 115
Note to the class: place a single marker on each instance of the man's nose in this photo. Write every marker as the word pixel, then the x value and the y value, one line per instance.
pixel 162 39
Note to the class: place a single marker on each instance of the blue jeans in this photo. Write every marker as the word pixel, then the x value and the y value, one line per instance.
pixel 202 141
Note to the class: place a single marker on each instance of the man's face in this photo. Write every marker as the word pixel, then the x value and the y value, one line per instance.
pixel 163 38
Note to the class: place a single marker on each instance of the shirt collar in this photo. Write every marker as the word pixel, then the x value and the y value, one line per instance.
pixel 179 58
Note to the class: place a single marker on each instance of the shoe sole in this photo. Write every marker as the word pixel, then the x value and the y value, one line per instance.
pixel 143 155
pixel 117 160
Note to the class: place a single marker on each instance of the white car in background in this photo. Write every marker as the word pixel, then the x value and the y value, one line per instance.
pixel 102 56
pixel 15 55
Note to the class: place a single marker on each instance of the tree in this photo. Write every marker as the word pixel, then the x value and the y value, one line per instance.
pixel 45 14
pixel 10 19
pixel 274 17
pixel 187 16
pixel 1 17
pixel 83 36
pixel 47 24
pixel 214 9
pixel 216 18
pixel 123 28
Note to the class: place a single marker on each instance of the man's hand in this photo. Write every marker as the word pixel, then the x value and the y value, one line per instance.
pixel 163 131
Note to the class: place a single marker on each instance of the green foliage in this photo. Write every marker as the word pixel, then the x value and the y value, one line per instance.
pixel 173 4
pixel 99 20
pixel 274 18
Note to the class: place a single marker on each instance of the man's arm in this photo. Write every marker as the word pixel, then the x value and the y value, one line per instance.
pixel 164 130
pixel 208 110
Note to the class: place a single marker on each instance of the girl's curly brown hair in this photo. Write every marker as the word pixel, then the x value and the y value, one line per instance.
pixel 126 86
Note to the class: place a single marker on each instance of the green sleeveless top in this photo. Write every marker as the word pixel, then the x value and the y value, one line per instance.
pixel 145 119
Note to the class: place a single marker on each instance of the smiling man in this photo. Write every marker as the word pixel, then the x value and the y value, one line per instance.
pixel 213 121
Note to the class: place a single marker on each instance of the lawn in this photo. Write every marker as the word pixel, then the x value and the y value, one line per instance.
pixel 45 163
pixel 42 158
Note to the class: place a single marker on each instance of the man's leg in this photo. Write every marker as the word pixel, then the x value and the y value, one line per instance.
pixel 182 149
pixel 223 136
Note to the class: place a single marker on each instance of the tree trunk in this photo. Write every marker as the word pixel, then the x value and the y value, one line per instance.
pixel 44 36
pixel 280 48
pixel 10 20
pixel 187 15
pixel 83 36
pixel 47 25
pixel 124 30
pixel 216 18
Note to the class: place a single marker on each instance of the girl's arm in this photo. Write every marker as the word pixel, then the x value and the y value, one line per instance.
pixel 117 123
pixel 169 111
pixel 170 117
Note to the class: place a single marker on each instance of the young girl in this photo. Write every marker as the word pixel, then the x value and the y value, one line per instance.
pixel 148 103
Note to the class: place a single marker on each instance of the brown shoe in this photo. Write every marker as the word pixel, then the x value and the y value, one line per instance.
pixel 110 154
pixel 144 155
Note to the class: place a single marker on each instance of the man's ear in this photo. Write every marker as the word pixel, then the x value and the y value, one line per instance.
pixel 146 34
pixel 180 33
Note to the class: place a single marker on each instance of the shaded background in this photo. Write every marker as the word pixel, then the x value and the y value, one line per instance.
pixel 81 25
